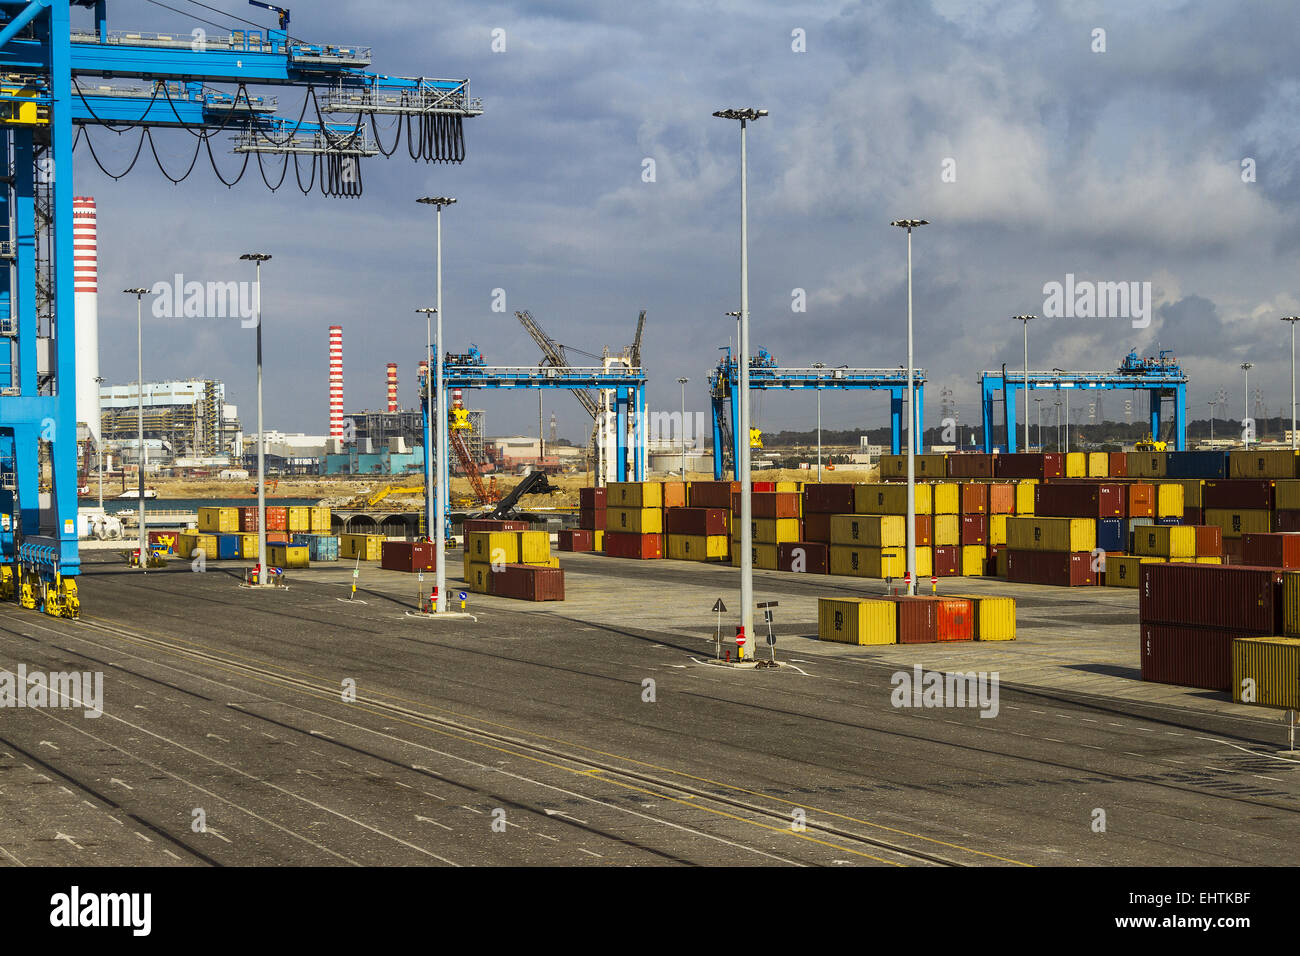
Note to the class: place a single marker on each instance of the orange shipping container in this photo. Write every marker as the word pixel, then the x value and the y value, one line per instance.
pixel 1002 499
pixel 974 499
pixel 1141 500
pixel 674 494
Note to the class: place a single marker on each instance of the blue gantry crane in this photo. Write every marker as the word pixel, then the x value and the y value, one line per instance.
pixel 1159 376
pixel 58 84
pixel 764 373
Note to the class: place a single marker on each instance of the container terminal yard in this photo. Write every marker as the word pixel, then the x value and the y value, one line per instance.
pixel 412 641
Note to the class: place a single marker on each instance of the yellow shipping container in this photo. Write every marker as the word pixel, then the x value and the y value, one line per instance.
pixel 945 531
pixel 874 531
pixel 763 556
pixel 491 547
pixel 1122 570
pixel 1207 559
pixel 866 562
pixel 367 547
pixel 598 541
pixel 1262 464
pixel 299 518
pixel 925 466
pixel 320 519
pixel 1166 541
pixel 1076 465
pixel 248 546
pixel 693 547
pixel 287 556
pixel 1051 534
pixel 219 520
pixel 635 520
pixel 890 499
pixel 1146 464
pixel 1000 562
pixel 995 617
pixel 789 487
pixel 1237 523
pixel 997 529
pixel 198 541
pixel 1098 464
pixel 634 494
pixel 945 498
pixel 973 557
pixel 1025 496
pixel 769 530
pixel 534 547
pixel 478 576
pixel 1291 604
pixel 1192 490
pixel 1169 500
pixel 1286 494
pixel 856 620
pixel 1266 671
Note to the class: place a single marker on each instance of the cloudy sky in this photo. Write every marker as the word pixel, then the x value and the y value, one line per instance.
pixel 1164 150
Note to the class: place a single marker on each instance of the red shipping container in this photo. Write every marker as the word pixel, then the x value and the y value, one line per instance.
pixel 248 519
pixel 761 487
pixel 1188 656
pixel 1286 520
pixel 817 527
pixel 575 539
pixel 529 582
pixel 591 520
pixel 1019 466
pixel 696 521
pixel 826 498
pixel 1196 516
pixel 1238 494
pixel 991 562
pixel 974 529
pixel 811 556
pixel 407 556
pixel 1232 551
pixel 970 466
pixel 711 494
pixel 1058 568
pixel 492 524
pixel 277 518
pixel 1140 500
pixel 1117 464
pixel 277 537
pixel 621 544
pixel 947 561
pixel 924 530
pixel 927 620
pixel 1079 500
pixel 1212 595
pixel 974 499
pixel 1209 541
pixel 591 499
pixel 770 504
pixel 1002 499
pixel 1271 550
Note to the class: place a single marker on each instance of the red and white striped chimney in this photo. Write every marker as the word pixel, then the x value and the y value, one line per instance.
pixel 392 386
pixel 85 275
pixel 336 382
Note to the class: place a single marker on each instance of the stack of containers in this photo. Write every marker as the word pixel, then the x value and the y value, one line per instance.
pixel 634 516
pixel 697 534
pixel 898 619
pixel 1274 550
pixel 190 542
pixel 1055 551
pixel 873 557
pixel 1286 505
pixel 1190 615
pixel 1239 507
pixel 821 502
pixel 219 520
pixel 591 514
pixel 514 564
pixel 871 546
pixel 775 521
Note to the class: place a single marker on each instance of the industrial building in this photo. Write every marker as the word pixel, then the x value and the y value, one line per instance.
pixel 190 417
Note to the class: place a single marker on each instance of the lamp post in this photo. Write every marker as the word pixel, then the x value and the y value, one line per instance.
pixel 1211 404
pixel 1025 320
pixel 745 116
pixel 99 452
pixel 429 465
pixel 263 579
pixel 819 366
pixel 139 396
pixel 1057 403
pixel 1245 401
pixel 441 462
pixel 1293 319
pixel 909 225
pixel 682 436
pixel 1038 403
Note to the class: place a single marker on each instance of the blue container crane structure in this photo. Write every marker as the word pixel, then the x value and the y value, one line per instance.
pixel 764 373
pixel 1160 377
pixel 57 83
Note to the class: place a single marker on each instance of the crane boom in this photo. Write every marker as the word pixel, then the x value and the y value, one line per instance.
pixel 554 354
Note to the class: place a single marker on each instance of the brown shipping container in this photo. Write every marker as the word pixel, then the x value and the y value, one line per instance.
pixel 711 494
pixel 924 530
pixel 473 525
pixel 277 518
pixel 1286 520
pixel 927 620
pixel 529 582
pixel 696 521
pixel 620 544
pixel 1140 500
pixel 407 556
pixel 974 499
pixel 1271 550
pixel 770 504
pixel 248 519
pixel 1002 499
pixel 1188 656
pixel 947 562
pixel 1232 551
pixel 1209 540
pixel 575 539
pixel 591 499
pixel 826 498
pixel 817 527
pixel 1117 462
pixel 1193 515
pixel 1058 568
pixel 1079 500
pixel 1212 595
pixel 1018 466
pixel 814 556
pixel 1238 494
pixel 592 520
pixel 970 466
pixel 974 529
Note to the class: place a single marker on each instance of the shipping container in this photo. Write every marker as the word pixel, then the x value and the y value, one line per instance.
pixel 695 547
pixel 319 520
pixel 713 494
pixel 945 531
pixel 1196 464
pixel 1286 520
pixel 817 526
pixel 409 556
pixel 1209 540
pixel 927 619
pixel 277 518
pixel 925 531
pixel 1176 542
pixel 1051 534
pixel 771 504
pixel 280 537
pixel 864 562
pixel 876 531
pixel 946 562
pixel 320 547
pixel 672 494
pixel 492 524
pixel 1258 463
pixel 634 494
pixel 248 519
pixel 641 546
pixel 1121 571
pixel 227 546
pixel 1266 671
pixel 881 499
pixel 219 520
pixel 812 557
pixel 994 617
pixel 534 547
pixel 1238 523
pixel 1058 568
pixel 974 529
pixel 1025 497
pixel 1238 494
pixel 856 620
pixel 1112 534
pixel 1189 656
pixel 1116 464
pixel 1076 465
pixel 997 529
pixel 1002 499
pixel 763 557
pixel 696 521
pixel 635 520
pixel 298 518
pixel 287 556
pixel 478 576
pixel 528 582
pixel 1146 464
pixel 1022 465
pixel 1291 604
pixel 945 498
pixel 591 499
pixel 828 498
pixel 1140 500
pixel 925 466
pixel 762 487
pixel 491 547
pixel 591 520
pixel 366 547
pixel 1231 550
pixel 1169 500
pixel 1079 501
pixel 970 465
pixel 575 539
pixel 769 530
pixel 1271 550
pixel 1206 595
pixel 248 546
pixel 998 558
pixel 974 560
pixel 1098 464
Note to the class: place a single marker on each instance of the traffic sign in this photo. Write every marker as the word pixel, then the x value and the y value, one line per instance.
pixel 771 638
pixel 769 604
pixel 462 595
pixel 934 580
pixel 719 607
